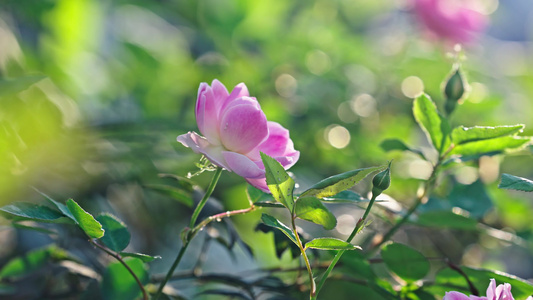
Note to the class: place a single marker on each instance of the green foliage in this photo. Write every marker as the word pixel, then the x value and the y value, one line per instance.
pixel 511 182
pixel 280 184
pixel 118 284
pixel 446 219
pixel 338 183
pixel 30 211
pixel 173 192
pixel 472 198
pixel 255 195
pixel 31 261
pixel 435 126
pixel 462 135
pixel 273 222
pixel 491 146
pixel 345 197
pixel 85 220
pixel 116 236
pixel 312 210
pixel 396 144
pixel 330 244
pixel 405 262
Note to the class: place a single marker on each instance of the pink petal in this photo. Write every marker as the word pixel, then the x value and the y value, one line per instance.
pixel 259 183
pixel 220 92
pixel 199 144
pixel 243 127
pixel 455 296
pixel 491 290
pixel 239 91
pixel 243 166
pixel 207 114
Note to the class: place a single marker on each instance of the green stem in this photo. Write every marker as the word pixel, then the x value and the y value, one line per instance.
pixel 118 257
pixel 312 294
pixel 194 217
pixel 358 227
pixel 422 198
pixel 220 216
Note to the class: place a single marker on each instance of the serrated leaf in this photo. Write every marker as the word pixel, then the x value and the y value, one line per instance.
pixel 173 192
pixel 446 219
pixel 396 144
pixel 338 183
pixel 119 284
pixel 256 195
pixel 491 146
pixel 30 211
pixel 312 210
pixel 462 135
pixel 510 182
pixel 434 125
pixel 404 261
pixel 14 86
pixel 144 257
pixel 330 244
pixel 280 184
pixel 273 222
pixel 85 220
pixel 116 236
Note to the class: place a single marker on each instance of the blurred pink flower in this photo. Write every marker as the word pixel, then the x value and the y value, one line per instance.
pixel 500 292
pixel 235 130
pixel 450 20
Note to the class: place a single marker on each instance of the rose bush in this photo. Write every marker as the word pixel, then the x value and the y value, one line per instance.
pixel 235 130
pixel 454 21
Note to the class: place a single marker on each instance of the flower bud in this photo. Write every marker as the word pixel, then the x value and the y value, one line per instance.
pixel 381 182
pixel 454 90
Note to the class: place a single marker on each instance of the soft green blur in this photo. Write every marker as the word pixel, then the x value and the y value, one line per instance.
pixel 120 83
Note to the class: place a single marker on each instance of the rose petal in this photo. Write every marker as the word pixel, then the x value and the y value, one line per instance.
pixel 455 296
pixel 221 94
pixel 242 165
pixel 259 183
pixel 243 127
pixel 207 114
pixel 199 144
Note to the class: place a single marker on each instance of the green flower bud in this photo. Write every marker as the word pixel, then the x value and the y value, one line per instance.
pixel 454 90
pixel 381 181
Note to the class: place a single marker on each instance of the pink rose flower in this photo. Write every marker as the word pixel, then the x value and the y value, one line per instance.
pixel 235 130
pixel 450 20
pixel 500 292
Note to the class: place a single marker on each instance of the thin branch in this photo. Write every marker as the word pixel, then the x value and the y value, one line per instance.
pixel 119 258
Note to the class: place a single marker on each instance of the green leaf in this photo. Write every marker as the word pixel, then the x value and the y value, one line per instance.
pixel 256 195
pixel 280 184
pixel 435 126
pixel 472 198
pixel 312 210
pixel 144 257
pixel 85 220
pixel 446 219
pixel 462 135
pixel 345 197
pixel 491 146
pixel 405 262
pixel 119 284
pixel 173 192
pixel 116 237
pixel 33 228
pixel 273 222
pixel 330 244
pixel 480 278
pixel 338 183
pixel 269 204
pixel 62 207
pixel 396 144
pixel 31 261
pixel 510 182
pixel 30 211
pixel 14 86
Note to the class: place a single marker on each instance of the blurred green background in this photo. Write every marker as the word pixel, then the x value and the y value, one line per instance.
pixel 119 83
